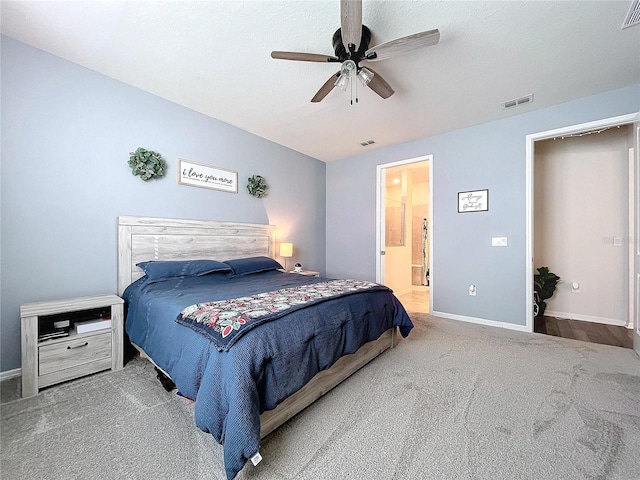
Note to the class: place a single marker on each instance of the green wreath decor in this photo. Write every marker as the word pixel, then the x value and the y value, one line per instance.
pixel 257 186
pixel 147 164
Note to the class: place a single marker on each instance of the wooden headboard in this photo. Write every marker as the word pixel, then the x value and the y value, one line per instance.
pixel 142 239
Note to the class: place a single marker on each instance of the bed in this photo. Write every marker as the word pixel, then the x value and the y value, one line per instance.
pixel 250 375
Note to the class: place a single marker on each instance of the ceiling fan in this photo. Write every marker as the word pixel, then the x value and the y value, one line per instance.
pixel 351 46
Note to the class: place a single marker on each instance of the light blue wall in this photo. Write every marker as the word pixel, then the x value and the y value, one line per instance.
pixel 490 156
pixel 66 137
pixel 67 131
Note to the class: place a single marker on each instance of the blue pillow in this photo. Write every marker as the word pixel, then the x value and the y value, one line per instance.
pixel 245 266
pixel 162 270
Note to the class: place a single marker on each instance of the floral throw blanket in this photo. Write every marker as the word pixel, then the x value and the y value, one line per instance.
pixel 225 321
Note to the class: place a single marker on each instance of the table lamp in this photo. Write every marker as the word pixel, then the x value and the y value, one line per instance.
pixel 286 251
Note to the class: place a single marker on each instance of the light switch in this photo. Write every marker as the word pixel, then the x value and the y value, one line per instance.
pixel 498 241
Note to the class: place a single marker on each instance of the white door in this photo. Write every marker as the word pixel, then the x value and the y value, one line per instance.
pixel 380 212
pixel 636 246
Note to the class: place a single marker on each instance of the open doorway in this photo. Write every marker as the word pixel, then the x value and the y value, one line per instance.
pixel 404 231
pixel 581 223
pixel 581 205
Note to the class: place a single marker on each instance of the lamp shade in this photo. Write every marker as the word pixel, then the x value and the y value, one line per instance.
pixel 365 75
pixel 286 249
pixel 342 83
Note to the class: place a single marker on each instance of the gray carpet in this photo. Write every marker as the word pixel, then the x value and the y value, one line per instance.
pixel 453 401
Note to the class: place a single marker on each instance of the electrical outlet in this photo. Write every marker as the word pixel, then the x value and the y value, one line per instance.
pixel 472 290
pixel 499 241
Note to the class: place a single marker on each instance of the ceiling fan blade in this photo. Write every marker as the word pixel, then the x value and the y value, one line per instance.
pixel 303 57
pixel 379 85
pixel 403 45
pixel 351 23
pixel 326 88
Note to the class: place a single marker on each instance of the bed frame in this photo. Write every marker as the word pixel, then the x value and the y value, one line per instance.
pixel 143 238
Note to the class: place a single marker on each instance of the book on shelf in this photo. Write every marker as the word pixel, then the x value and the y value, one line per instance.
pixel 93 325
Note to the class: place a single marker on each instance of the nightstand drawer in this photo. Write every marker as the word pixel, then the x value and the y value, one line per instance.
pixel 73 352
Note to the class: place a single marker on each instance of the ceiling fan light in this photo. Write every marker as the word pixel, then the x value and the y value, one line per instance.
pixel 342 83
pixel 365 75
pixel 348 68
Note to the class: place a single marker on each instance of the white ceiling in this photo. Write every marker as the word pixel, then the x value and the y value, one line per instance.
pixel 214 57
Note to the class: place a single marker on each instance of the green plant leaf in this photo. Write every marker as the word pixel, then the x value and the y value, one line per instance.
pixel 146 163
pixel 545 283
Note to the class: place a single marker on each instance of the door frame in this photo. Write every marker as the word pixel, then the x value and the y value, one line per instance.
pixel 632 118
pixel 380 222
pixel 634 245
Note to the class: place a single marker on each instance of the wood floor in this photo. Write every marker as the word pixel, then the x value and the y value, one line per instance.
pixel 417 300
pixel 586 331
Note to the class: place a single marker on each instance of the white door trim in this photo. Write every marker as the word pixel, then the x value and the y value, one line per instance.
pixel 631 251
pixel 530 141
pixel 380 205
pixel 634 242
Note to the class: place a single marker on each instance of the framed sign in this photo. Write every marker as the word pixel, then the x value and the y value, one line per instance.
pixel 473 201
pixel 198 175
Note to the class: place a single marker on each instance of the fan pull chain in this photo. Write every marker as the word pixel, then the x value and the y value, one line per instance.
pixel 353 82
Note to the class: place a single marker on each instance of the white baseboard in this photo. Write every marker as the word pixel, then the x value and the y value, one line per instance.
pixel 587 318
pixel 481 321
pixel 16 372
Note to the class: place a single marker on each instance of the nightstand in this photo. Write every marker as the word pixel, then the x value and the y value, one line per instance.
pixel 309 273
pixel 47 362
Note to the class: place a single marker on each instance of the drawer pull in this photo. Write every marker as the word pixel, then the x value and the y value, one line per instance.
pixel 78 346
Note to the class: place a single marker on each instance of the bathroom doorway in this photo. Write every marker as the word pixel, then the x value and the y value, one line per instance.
pixel 404 231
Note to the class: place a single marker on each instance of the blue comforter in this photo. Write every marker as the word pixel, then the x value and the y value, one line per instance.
pixel 267 364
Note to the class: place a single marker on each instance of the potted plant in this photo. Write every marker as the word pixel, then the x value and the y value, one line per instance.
pixel 545 283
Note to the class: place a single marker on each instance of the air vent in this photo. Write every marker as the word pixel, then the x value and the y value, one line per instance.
pixel 633 16
pixel 366 143
pixel 518 101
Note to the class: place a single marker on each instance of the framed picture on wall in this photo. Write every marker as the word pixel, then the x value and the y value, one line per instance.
pixel 473 201
pixel 199 175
